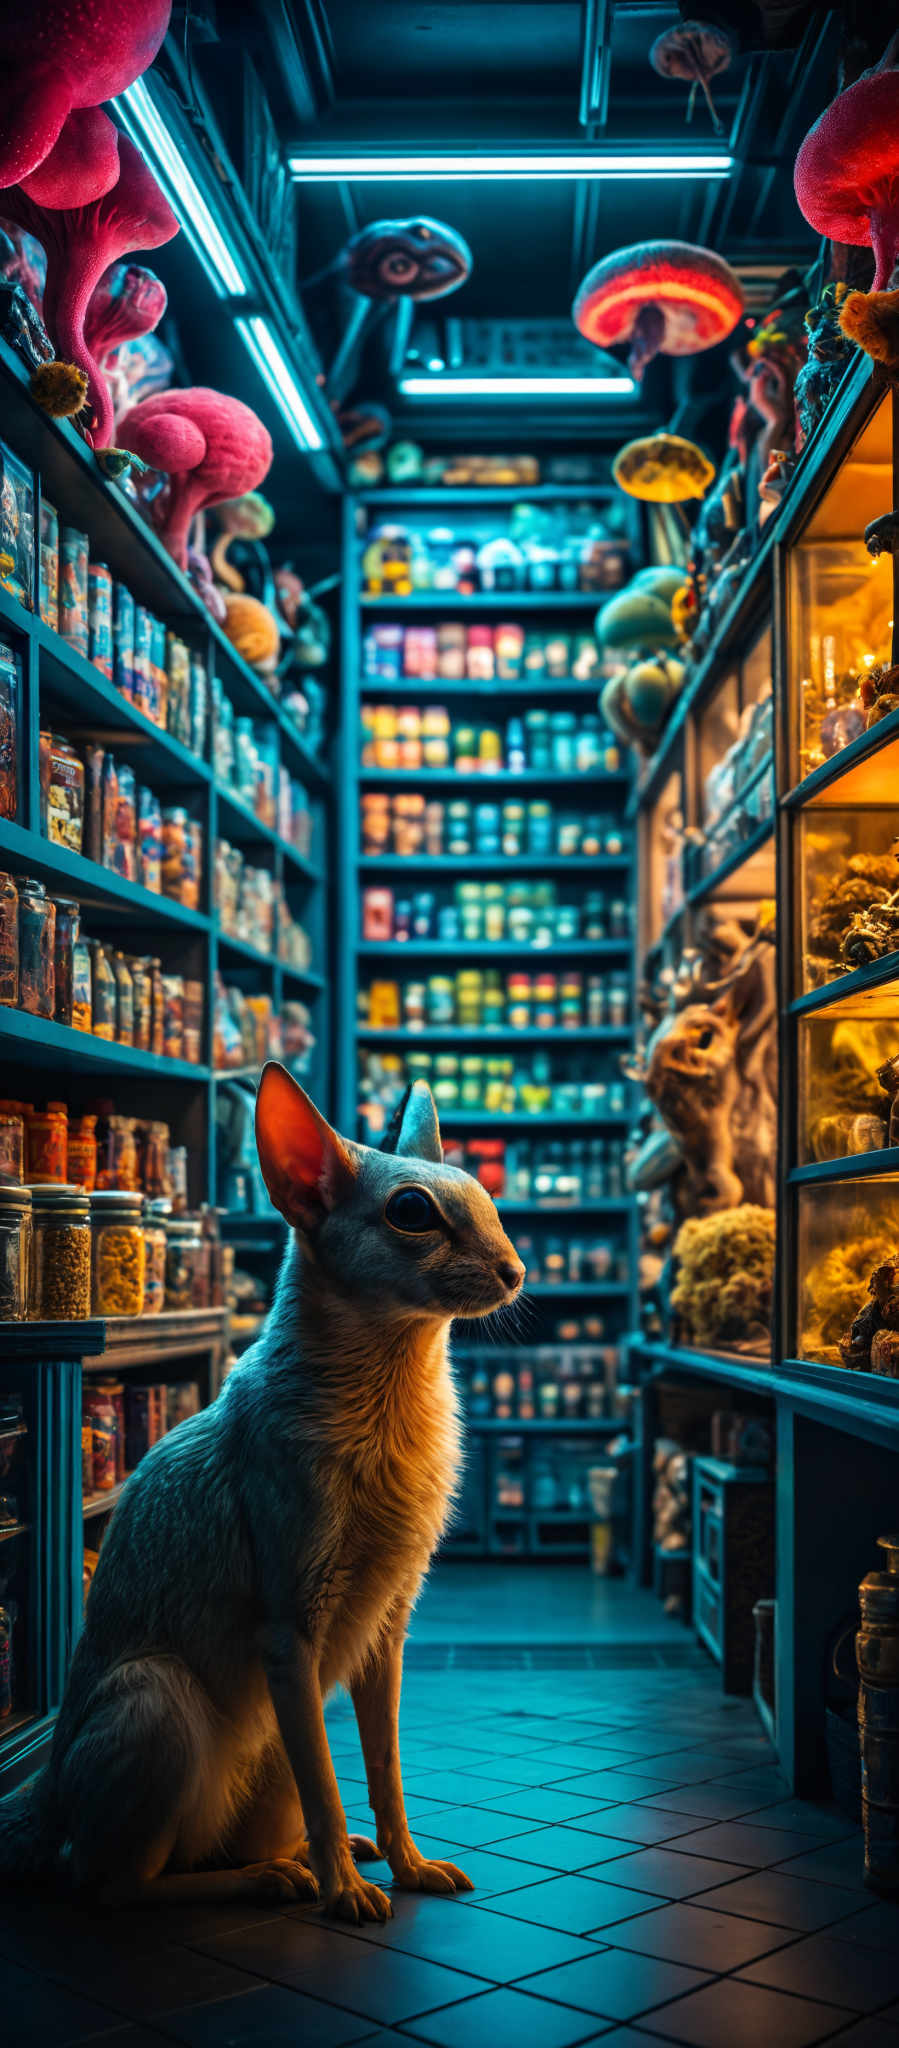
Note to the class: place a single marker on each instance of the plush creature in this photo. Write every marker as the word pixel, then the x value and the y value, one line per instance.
pixel 239 559
pixel 408 259
pixel 211 448
pixel 129 301
pixel 253 631
pixel 85 230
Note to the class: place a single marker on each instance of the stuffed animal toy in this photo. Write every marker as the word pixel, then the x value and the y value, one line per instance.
pixel 253 631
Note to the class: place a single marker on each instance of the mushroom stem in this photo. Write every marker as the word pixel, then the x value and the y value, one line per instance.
pixel 65 307
pixel 646 339
pixel 885 244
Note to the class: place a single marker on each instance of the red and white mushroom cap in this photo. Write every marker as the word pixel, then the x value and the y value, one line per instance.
pixel 666 298
pixel 847 172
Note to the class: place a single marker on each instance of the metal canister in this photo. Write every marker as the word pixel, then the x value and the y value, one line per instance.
pixel 877 1656
pixel 123 641
pixel 99 617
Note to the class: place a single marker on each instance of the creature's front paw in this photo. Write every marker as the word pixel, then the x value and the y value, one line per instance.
pixel 284 1881
pixel 413 1872
pixel 351 1897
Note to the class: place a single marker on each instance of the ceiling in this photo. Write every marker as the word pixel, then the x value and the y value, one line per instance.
pixel 530 73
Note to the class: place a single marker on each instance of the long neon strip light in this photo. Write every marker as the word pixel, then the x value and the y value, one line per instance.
pixel 144 122
pixel 516 387
pixel 548 164
pixel 274 368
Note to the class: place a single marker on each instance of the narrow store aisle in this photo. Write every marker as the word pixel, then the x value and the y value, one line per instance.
pixel 640 1872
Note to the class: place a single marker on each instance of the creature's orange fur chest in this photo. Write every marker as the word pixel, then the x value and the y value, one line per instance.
pixel 396 1489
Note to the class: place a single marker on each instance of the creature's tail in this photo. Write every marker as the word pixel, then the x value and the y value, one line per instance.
pixel 29 1838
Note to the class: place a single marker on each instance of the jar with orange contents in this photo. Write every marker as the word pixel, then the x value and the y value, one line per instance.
pixel 47 1144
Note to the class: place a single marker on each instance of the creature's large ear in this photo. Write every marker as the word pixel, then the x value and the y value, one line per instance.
pixel 306 1167
pixel 419 1133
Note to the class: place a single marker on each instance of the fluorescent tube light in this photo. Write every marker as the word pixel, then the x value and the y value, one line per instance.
pixel 146 127
pixel 274 368
pixel 546 164
pixel 517 387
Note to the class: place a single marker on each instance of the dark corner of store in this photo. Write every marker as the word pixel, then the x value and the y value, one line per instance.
pixel 449 1023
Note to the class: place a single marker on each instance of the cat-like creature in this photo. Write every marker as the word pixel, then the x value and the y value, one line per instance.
pixel 273 1546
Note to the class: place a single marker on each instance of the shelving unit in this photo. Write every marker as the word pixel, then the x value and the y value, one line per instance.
pixel 60 690
pixel 837 1431
pixel 485 1527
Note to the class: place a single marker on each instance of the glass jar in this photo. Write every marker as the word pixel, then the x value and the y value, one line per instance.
pixel 184 1246
pixel 61 791
pixel 118 1164
pixel 9 941
pixel 103 991
pixel 193 1020
pixel 60 1283
pixel 120 819
pixel 176 1177
pixel 157 1008
pixel 156 1215
pixel 98 1412
pixel 124 1006
pixel 142 987
pixel 114 1391
pixel 15 1246
pixel 118 1253
pixel 173 1016
pixel 12 1144
pixel 68 919
pixel 37 933
pixel 155 1142
pixel 46 1144
pixel 82 1153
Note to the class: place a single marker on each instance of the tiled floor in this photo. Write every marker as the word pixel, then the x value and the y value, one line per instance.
pixel 641 1876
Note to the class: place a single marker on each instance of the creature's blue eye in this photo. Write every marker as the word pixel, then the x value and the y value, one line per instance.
pixel 410 1209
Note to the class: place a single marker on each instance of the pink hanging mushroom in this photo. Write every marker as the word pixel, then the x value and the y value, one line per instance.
pixel 696 51
pixel 846 175
pixel 83 236
pixel 210 447
pixel 665 298
pixel 129 302
pixel 56 56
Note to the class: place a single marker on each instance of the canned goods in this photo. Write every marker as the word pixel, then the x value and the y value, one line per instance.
pixel 123 641
pixel 73 560
pixel 99 614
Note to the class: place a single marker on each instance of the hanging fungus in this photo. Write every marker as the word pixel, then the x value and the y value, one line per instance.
pixel 663 469
pixel 665 298
pixel 695 51
pixel 846 175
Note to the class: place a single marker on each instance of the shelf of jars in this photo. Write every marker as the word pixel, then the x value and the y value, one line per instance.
pixel 486 881
pixel 136 751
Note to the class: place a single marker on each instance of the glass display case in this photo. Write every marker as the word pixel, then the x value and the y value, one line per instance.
pixel 840 602
pixel 848 883
pixel 662 862
pixel 735 757
pixel 848 1275
pixel 848 1059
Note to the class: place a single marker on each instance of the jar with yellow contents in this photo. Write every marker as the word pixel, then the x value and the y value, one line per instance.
pixel 118 1257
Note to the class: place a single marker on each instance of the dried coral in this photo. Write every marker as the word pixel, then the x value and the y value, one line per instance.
pixel 725 1278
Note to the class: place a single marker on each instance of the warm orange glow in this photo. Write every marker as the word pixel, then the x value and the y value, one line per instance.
pixel 662 288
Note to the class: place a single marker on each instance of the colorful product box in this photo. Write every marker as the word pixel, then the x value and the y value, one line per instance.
pixel 16 528
pixel 48 586
pixel 73 612
pixel 99 615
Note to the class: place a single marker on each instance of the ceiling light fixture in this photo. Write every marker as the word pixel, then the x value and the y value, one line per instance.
pixel 143 121
pixel 446 164
pixel 272 364
pixel 517 387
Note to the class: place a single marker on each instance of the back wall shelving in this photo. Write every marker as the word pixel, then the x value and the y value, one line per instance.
pixel 503 1510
